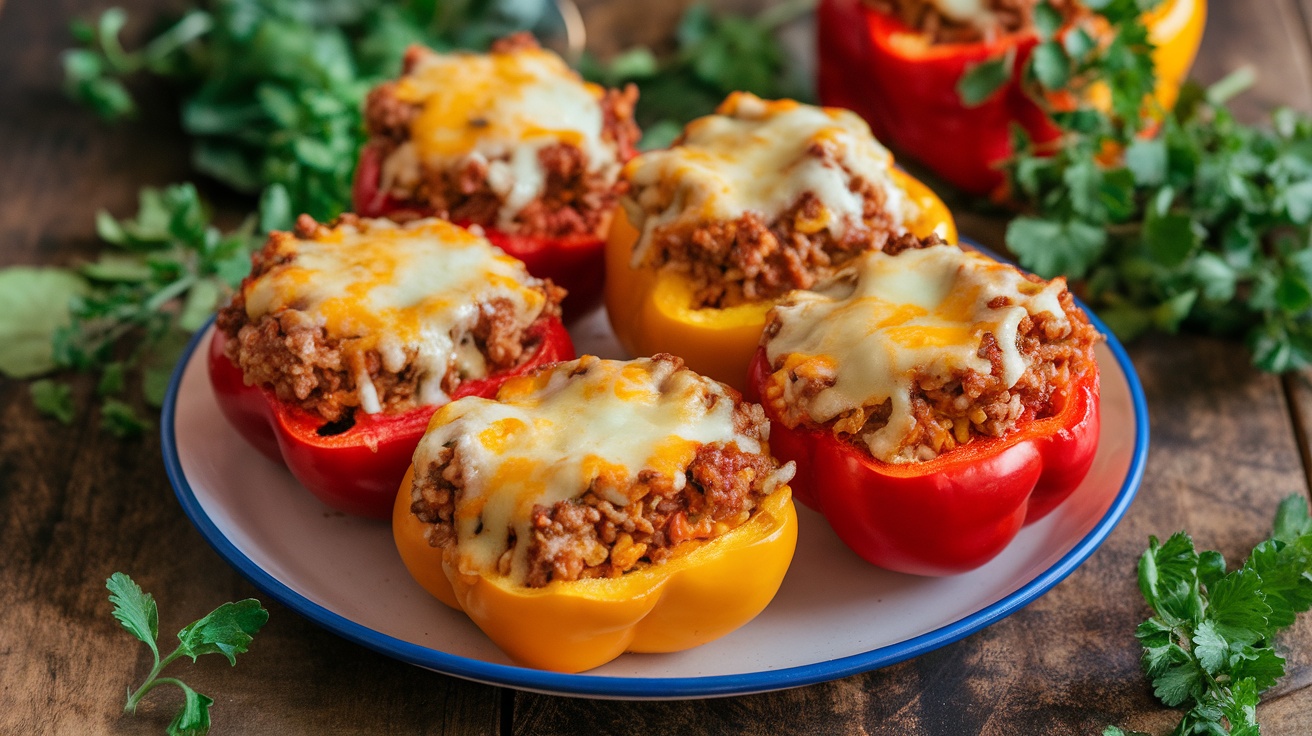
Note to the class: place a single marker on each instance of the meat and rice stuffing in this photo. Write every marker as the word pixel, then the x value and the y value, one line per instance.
pixel 373 316
pixel 763 197
pixel 591 469
pixel 512 139
pixel 968 21
pixel 923 347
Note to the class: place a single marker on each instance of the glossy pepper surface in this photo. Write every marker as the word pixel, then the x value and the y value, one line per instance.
pixel 650 310
pixel 573 261
pixel 355 470
pixel 707 589
pixel 906 87
pixel 946 515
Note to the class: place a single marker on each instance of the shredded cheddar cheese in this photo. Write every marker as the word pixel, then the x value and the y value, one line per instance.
pixel 759 156
pixel 590 425
pixel 887 319
pixel 410 292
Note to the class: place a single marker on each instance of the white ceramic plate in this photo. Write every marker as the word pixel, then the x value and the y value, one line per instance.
pixel 834 616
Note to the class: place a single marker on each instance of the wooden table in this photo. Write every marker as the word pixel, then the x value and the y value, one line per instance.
pixel 1227 444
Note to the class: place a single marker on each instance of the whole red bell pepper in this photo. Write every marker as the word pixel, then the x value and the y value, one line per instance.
pixel 949 514
pixel 355 470
pixel 905 85
pixel 574 262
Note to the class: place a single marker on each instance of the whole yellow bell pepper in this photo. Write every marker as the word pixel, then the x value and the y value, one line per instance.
pixel 650 309
pixel 706 590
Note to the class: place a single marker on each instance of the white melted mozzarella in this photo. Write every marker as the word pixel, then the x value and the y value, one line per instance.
pixel 501 109
pixel 554 436
pixel 757 156
pixel 412 290
pixel 885 318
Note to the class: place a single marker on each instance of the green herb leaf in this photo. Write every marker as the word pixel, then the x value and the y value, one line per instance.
pixel 121 420
pixel 134 609
pixel 227 630
pixel 53 399
pixel 34 304
pixel 1208 646
pixel 983 80
pixel 1051 248
pixel 194 718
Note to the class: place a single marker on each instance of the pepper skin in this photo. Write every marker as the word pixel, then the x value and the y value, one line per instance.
pixel 946 515
pixel 573 262
pixel 650 313
pixel 906 88
pixel 705 591
pixel 354 471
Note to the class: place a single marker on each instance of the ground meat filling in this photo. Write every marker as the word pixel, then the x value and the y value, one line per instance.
pixel 968 404
pixel 749 259
pixel 574 199
pixel 295 357
pixel 589 537
pixel 1004 17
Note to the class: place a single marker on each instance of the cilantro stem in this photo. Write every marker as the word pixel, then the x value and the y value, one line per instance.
pixel 153 680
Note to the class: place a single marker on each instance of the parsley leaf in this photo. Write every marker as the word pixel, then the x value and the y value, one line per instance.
pixel 53 399
pixel 1209 646
pixel 227 630
pixel 1180 218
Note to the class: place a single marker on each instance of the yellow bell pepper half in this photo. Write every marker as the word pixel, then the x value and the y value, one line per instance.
pixel 706 590
pixel 650 309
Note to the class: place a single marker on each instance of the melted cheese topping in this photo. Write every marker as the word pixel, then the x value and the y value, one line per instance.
pixel 757 156
pixel 887 318
pixel 410 292
pixel 554 436
pixel 501 109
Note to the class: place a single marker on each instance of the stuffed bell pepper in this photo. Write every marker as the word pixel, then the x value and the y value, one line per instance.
pixel 598 507
pixel 898 64
pixel 751 202
pixel 345 338
pixel 934 400
pixel 512 141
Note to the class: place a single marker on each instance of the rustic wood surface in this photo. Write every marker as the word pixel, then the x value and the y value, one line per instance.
pixel 1227 444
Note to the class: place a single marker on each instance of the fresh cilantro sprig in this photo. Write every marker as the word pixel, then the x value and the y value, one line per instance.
pixel 1185 218
pixel 129 313
pixel 1209 646
pixel 227 630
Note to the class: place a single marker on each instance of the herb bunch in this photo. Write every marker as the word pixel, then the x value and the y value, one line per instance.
pixel 1208 647
pixel 129 313
pixel 1170 218
pixel 274 91
pixel 227 630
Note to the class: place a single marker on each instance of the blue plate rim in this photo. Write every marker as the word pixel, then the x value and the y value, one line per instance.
pixel 600 686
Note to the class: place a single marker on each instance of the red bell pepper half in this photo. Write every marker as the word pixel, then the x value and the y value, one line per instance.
pixel 906 89
pixel 946 515
pixel 357 469
pixel 574 262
